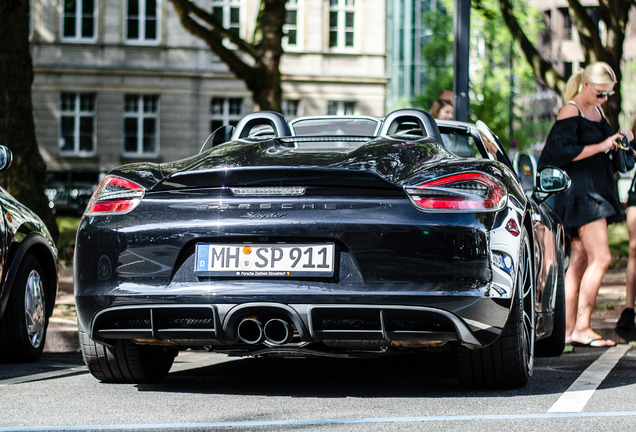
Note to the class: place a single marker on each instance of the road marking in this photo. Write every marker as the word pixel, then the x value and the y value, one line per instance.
pixel 321 422
pixel 576 397
pixel 43 376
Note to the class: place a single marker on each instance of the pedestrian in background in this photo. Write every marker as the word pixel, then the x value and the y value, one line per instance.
pixel 579 143
pixel 442 109
pixel 626 320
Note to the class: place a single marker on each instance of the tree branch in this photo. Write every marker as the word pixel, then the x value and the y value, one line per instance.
pixel 214 36
pixel 542 68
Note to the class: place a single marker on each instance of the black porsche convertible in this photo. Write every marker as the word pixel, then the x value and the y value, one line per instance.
pixel 324 236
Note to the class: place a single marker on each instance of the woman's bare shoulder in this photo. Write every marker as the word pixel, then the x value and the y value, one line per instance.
pixel 568 110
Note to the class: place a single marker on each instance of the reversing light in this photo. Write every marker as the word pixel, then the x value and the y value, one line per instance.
pixel 465 192
pixel 114 195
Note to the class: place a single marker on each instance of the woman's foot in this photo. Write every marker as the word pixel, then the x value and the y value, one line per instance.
pixel 590 339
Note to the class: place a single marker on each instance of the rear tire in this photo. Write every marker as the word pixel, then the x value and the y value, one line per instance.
pixel 125 362
pixel 553 345
pixel 24 324
pixel 508 362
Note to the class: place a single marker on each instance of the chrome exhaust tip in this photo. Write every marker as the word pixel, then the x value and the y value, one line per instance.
pixel 277 331
pixel 250 331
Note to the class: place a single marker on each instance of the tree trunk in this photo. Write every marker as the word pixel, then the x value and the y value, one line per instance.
pixel 255 62
pixel 26 177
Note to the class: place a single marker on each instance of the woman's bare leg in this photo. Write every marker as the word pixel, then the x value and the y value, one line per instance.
pixel 573 276
pixel 630 288
pixel 595 241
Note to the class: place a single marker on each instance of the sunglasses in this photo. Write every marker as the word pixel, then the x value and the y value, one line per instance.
pixel 602 94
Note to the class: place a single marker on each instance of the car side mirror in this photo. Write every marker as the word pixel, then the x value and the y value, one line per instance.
pixel 551 180
pixel 6 157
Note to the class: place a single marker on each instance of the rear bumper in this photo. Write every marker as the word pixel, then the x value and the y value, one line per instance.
pixel 379 320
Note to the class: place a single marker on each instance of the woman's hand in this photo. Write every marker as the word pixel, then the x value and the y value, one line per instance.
pixel 610 143
pixel 604 146
pixel 627 133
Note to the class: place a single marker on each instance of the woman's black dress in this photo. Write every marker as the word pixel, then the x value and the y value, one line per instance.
pixel 592 195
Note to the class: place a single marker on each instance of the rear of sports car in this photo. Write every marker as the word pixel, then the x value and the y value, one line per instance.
pixel 293 258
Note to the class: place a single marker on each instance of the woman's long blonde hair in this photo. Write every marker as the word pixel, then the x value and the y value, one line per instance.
pixel 595 73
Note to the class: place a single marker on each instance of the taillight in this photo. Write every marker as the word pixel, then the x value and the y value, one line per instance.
pixel 465 192
pixel 114 195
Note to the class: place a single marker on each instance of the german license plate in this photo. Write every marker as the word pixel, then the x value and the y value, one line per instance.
pixel 258 260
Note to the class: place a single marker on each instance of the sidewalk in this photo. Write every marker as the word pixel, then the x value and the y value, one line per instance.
pixel 61 336
pixel 62 332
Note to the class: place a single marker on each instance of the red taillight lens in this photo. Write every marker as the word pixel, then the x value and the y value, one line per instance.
pixel 114 195
pixel 465 192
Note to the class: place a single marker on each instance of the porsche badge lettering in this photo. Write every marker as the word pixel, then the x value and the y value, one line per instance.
pixel 267 206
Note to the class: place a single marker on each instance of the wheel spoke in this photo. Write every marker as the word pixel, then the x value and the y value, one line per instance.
pixel 528 324
pixel 34 309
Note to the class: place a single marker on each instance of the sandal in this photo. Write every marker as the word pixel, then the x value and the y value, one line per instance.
pixel 595 343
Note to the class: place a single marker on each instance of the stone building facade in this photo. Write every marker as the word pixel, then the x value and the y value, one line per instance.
pixel 119 81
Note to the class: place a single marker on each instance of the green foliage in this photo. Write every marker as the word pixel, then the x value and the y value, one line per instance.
pixel 67 226
pixel 490 68
pixel 438 52
pixel 619 240
pixel 491 86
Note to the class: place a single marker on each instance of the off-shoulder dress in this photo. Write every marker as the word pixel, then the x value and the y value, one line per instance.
pixel 592 195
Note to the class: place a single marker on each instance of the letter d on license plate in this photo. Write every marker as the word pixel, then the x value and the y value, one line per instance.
pixel 262 260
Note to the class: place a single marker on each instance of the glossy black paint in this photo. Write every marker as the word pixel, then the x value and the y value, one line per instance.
pixel 394 263
pixel 23 232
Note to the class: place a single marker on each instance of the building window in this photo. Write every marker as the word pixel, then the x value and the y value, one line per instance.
pixel 78 20
pixel 290 108
pixel 225 111
pixel 567 70
pixel 546 32
pixel 228 13
pixel 141 125
pixel 341 23
pixel 77 124
pixel 142 21
pixel 341 108
pixel 290 28
pixel 567 23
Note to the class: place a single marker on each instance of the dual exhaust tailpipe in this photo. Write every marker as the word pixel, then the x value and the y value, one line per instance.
pixel 275 331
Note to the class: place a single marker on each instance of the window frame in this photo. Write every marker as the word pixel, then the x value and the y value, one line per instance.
pixel 568 25
pixel 140 115
pixel 291 108
pixel 79 17
pixel 342 8
pixel 226 116
pixel 293 6
pixel 342 107
pixel 142 21
pixel 77 114
pixel 227 7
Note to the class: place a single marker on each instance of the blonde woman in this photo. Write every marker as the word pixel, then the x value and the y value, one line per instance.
pixel 579 143
pixel 626 320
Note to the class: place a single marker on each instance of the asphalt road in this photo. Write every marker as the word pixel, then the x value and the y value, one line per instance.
pixel 590 389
